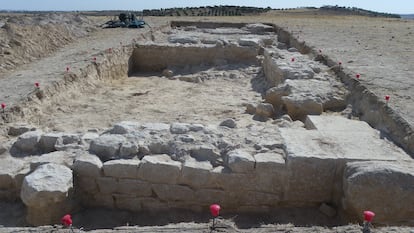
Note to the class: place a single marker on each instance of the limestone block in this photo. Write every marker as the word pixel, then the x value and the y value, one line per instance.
pixel 134 188
pixel 87 138
pixel 153 204
pixel 327 210
pixel 68 141
pixel 107 185
pixel 310 179
pixel 167 73
pixel 156 127
pixel 223 178
pixel 298 107
pixel 386 188
pixel 251 42
pixel 240 161
pixel 121 168
pixel 249 209
pixel 274 95
pixel 259 28
pixel 159 169
pixel 265 110
pixel 270 162
pixel 126 202
pixel 230 123
pixel 196 127
pixel 9 168
pixel 194 173
pixel 210 196
pixel 48 141
pixel 86 184
pixel 45 193
pixel 87 165
pixel 351 139
pixel 102 200
pixel 28 142
pixel 186 138
pixel 179 128
pixel 167 192
pixel 185 205
pixel 58 157
pixel 128 150
pixel 253 198
pixel 19 129
pixel 125 127
pixel 107 146
pixel 48 183
pixel 206 153
pixel 3 149
pixel 159 146
pixel 183 39
pixel 69 138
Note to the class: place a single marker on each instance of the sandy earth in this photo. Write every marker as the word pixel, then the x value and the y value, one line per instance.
pixel 384 57
pixel 153 99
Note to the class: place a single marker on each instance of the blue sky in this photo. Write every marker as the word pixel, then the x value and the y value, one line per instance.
pixel 388 6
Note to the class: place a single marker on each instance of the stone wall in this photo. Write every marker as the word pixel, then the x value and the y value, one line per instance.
pixel 156 58
pixel 158 183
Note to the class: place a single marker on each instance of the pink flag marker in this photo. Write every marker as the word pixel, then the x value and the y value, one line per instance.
pixel 215 212
pixel 368 215
pixel 67 68
pixel 293 59
pixel 357 76
pixel 3 106
pixel 387 98
pixel 37 85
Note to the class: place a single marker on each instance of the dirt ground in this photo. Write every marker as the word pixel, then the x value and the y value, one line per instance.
pixel 380 49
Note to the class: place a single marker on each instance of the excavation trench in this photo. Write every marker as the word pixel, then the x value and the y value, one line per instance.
pixel 171 127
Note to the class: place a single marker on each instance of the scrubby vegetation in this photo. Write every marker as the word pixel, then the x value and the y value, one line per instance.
pixel 358 11
pixel 206 11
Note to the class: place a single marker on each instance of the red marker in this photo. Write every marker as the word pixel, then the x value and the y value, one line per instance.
pixel 67 220
pixel 340 63
pixel 368 216
pixel 3 106
pixel 215 212
pixel 320 50
pixel 293 59
pixel 387 98
pixel 67 68
pixel 94 59
pixel 357 76
pixel 37 85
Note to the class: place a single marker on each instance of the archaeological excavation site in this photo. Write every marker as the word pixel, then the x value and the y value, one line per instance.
pixel 190 113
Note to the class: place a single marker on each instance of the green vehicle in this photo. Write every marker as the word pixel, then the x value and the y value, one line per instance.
pixel 126 20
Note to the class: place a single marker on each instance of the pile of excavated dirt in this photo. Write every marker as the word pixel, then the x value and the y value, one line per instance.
pixel 25 38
